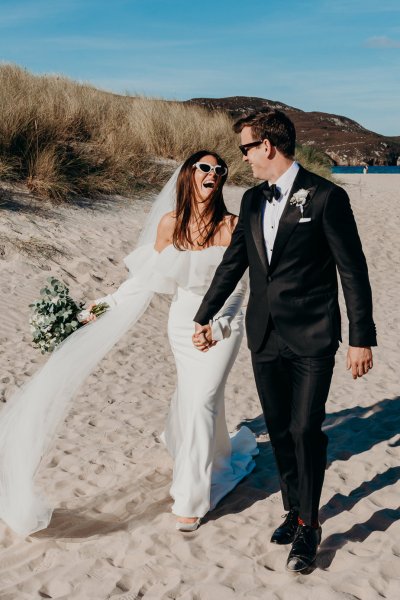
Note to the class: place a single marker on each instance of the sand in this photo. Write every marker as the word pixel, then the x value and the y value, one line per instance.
pixel 112 534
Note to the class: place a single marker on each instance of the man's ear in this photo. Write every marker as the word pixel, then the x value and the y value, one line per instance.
pixel 269 149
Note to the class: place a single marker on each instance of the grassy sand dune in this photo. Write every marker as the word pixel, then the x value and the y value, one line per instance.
pixel 63 138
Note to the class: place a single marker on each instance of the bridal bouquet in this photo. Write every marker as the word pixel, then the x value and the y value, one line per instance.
pixel 56 315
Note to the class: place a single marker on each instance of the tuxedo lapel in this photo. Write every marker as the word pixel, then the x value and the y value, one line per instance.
pixel 290 216
pixel 256 224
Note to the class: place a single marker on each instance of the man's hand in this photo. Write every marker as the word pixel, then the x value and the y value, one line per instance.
pixel 359 360
pixel 202 337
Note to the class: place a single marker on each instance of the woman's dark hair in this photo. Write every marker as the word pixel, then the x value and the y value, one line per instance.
pixel 273 125
pixel 209 220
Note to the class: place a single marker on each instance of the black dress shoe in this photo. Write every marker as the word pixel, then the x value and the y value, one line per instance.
pixel 285 533
pixel 304 548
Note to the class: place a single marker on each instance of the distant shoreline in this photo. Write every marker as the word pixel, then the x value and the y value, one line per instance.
pixel 381 169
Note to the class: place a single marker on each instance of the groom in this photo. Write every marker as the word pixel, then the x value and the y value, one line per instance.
pixel 294 231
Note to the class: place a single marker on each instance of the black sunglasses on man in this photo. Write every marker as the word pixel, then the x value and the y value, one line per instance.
pixel 244 148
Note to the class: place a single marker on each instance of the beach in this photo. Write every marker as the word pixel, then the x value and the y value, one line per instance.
pixel 108 474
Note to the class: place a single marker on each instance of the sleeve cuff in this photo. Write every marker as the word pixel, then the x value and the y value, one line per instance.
pixel 220 329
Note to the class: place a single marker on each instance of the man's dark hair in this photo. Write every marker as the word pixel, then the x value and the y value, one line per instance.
pixel 273 125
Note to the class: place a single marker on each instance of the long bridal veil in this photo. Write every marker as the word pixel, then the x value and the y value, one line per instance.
pixel 31 416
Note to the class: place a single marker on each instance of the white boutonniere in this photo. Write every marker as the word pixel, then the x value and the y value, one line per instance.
pixel 299 199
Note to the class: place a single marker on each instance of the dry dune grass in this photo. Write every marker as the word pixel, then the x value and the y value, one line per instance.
pixel 64 138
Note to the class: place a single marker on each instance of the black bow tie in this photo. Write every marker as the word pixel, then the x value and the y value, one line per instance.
pixel 271 192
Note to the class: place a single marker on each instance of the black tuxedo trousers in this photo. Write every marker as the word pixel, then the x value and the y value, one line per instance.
pixel 293 391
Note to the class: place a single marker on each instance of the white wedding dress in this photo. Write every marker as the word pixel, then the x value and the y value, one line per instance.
pixel 208 463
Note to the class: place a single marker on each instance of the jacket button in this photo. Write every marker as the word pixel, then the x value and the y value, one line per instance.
pixel 269 278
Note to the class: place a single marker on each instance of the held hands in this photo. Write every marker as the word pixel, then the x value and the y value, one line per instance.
pixel 202 337
pixel 359 360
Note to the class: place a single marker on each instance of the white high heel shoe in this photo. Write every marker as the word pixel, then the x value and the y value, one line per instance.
pixel 180 526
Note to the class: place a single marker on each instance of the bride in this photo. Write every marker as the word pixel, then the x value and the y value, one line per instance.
pixel 178 252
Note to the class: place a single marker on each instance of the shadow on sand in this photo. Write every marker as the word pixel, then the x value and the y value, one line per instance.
pixel 351 431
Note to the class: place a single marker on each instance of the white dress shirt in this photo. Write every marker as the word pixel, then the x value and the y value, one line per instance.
pixel 273 210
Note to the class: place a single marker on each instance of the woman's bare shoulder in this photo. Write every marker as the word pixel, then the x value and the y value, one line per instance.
pixel 167 221
pixel 165 231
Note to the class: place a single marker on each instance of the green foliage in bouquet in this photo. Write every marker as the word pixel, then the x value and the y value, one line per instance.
pixel 56 315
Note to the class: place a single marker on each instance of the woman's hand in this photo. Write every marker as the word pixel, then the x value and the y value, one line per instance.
pixel 90 316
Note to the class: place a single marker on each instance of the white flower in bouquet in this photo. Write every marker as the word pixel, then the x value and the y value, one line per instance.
pixel 56 315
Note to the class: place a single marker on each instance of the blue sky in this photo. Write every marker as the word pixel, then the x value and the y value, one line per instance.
pixel 330 55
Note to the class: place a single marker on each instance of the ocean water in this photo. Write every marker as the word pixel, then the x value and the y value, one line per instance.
pixel 370 170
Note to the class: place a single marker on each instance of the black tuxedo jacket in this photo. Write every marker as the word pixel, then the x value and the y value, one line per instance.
pixel 299 289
